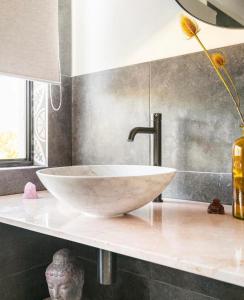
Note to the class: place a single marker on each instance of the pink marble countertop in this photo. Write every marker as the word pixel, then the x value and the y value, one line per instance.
pixel 178 234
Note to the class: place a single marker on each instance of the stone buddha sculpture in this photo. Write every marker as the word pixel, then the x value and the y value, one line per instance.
pixel 65 277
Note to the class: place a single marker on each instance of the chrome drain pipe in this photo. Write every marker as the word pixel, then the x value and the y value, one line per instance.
pixel 106 267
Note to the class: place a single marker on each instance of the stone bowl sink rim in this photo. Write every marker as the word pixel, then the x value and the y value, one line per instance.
pixel 106 190
pixel 152 171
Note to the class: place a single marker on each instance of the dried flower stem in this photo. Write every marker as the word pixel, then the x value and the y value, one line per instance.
pixel 232 84
pixel 222 79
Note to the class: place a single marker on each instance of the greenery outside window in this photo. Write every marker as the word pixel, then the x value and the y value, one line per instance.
pixel 15 122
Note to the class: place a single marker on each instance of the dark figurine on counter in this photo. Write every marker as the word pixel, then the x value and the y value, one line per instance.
pixel 216 207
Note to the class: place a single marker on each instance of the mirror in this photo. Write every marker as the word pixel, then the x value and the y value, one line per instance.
pixel 223 13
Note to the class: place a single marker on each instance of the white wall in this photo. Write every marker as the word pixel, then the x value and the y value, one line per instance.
pixel 114 33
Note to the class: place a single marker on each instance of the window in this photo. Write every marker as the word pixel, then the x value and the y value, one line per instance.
pixel 15 121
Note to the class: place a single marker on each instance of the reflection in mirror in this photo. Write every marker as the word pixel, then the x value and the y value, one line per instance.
pixel 223 13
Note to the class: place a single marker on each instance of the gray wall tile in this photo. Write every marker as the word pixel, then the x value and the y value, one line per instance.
pixel 22 250
pixel 59 126
pixel 200 122
pixel 92 289
pixel 12 181
pixel 200 186
pixel 162 291
pixel 128 286
pixel 197 284
pixel 135 266
pixel 131 287
pixel 83 251
pixel 106 106
pixel 29 285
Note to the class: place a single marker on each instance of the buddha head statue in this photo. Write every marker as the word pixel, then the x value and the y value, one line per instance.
pixel 65 277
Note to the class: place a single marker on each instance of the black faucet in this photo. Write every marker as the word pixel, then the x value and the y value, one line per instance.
pixel 157 141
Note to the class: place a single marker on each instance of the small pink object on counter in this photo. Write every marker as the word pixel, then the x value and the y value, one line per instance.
pixel 30 191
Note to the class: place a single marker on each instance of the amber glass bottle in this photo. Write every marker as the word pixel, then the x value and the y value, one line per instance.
pixel 238 177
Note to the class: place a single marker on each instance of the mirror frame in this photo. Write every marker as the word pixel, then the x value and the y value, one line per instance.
pixel 215 25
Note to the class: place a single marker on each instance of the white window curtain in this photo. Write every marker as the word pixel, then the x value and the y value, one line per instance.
pixel 29 39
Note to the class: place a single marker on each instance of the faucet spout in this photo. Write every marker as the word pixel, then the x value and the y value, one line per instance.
pixel 136 130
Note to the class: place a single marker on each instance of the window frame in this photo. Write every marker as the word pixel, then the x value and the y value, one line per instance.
pixel 28 160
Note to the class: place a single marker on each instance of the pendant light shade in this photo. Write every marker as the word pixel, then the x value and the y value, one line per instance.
pixel 29 39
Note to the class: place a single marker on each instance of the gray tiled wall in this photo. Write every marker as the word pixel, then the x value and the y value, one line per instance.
pixel 105 107
pixel 199 121
pixel 22 273
pixel 59 127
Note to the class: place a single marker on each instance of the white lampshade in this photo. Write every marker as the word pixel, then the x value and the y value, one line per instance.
pixel 29 39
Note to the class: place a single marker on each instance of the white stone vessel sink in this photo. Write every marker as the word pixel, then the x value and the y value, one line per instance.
pixel 106 190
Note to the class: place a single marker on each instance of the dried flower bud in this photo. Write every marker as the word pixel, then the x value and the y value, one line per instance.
pixel 218 59
pixel 189 27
